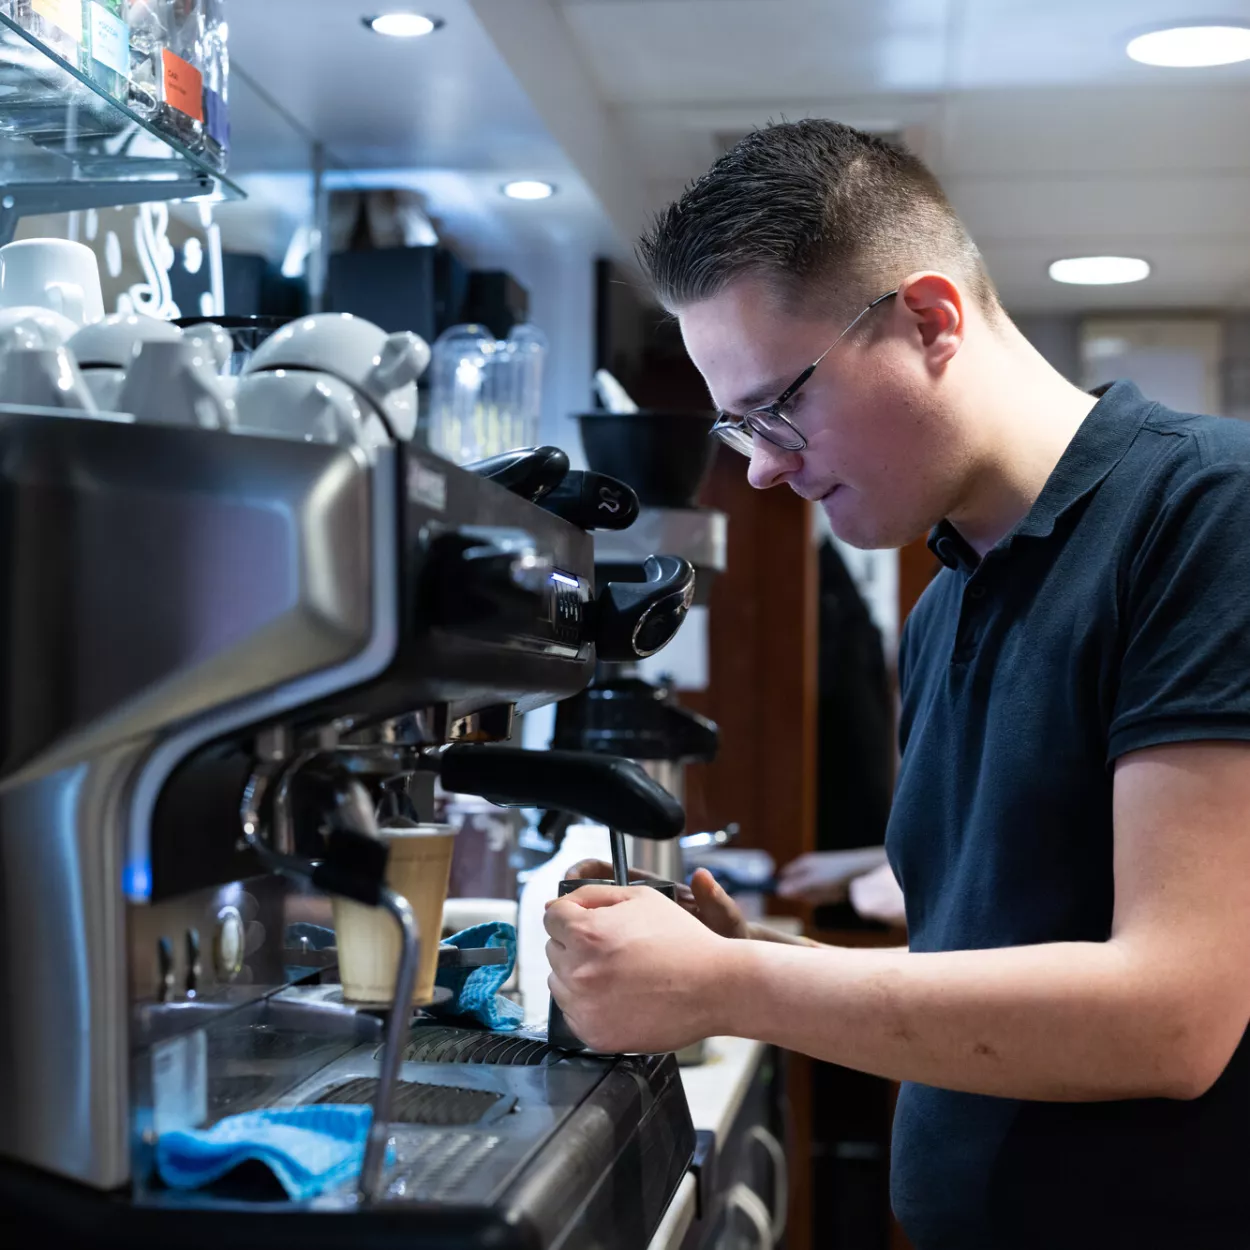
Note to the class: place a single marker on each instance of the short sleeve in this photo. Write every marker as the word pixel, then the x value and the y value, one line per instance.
pixel 1185 626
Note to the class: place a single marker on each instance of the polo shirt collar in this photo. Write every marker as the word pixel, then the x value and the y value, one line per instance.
pixel 1097 447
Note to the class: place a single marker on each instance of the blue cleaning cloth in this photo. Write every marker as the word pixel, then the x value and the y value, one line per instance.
pixel 308 1149
pixel 475 991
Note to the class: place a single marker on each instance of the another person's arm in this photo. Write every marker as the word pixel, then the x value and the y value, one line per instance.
pixel 1154 1011
pixel 825 876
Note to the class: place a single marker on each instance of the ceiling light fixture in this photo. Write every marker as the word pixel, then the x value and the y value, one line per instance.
pixel 1099 270
pixel 403 25
pixel 528 189
pixel 1192 47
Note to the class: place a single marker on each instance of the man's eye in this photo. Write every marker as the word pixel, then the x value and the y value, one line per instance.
pixel 791 406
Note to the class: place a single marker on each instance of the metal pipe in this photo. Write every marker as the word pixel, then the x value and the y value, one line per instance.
pixel 620 863
pixel 397 1025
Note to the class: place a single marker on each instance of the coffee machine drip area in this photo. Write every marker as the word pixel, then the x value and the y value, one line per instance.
pixel 236 667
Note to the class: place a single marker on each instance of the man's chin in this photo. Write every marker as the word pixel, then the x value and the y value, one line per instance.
pixel 855 529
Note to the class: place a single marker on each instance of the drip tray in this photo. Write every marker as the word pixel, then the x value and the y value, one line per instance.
pixel 441 1106
pixel 443 1044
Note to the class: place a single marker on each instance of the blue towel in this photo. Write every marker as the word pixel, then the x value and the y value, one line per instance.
pixel 475 991
pixel 308 1149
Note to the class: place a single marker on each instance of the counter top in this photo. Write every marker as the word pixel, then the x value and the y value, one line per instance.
pixel 678 1217
pixel 715 1089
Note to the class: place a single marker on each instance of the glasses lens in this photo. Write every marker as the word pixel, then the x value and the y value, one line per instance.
pixel 777 430
pixel 736 437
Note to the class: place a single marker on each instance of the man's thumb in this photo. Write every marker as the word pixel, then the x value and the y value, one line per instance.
pixel 717 909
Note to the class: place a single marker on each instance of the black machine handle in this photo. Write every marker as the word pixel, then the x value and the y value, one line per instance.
pixel 531 472
pixel 606 789
pixel 637 619
pixel 593 501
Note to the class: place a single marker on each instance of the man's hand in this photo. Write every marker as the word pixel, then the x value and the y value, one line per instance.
pixel 633 972
pixel 703 898
pixel 825 876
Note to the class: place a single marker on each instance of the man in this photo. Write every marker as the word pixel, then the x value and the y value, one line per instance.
pixel 1071 825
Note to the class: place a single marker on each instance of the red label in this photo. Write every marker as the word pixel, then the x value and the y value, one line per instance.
pixel 184 86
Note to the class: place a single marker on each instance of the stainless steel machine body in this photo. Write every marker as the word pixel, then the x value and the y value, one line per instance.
pixel 181 609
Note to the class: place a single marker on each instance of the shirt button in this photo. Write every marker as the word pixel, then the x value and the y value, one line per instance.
pixel 976 592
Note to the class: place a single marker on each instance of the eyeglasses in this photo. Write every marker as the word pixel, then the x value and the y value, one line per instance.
pixel 769 421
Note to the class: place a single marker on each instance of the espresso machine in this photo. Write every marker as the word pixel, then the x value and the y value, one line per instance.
pixel 223 654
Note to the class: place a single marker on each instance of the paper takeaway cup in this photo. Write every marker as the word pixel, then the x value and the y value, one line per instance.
pixel 368 937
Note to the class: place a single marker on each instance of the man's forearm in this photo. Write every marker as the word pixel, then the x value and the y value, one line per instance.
pixel 1061 1022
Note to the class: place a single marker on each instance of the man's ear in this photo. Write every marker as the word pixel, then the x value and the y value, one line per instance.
pixel 934 305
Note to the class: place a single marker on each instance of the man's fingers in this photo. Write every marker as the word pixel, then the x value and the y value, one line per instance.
pixel 558 992
pixel 588 870
pixel 591 896
pixel 557 953
pixel 559 916
pixel 601 870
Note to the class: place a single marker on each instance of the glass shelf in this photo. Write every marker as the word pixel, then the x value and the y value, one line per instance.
pixel 66 145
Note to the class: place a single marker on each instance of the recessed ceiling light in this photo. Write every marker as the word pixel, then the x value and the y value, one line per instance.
pixel 403 25
pixel 1191 47
pixel 528 189
pixel 1099 270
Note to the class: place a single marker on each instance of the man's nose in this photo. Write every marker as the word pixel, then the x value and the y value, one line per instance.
pixel 771 466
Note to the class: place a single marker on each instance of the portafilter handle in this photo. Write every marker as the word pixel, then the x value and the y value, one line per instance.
pixel 605 789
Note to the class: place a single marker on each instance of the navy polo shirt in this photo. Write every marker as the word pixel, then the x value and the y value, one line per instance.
pixel 1115 616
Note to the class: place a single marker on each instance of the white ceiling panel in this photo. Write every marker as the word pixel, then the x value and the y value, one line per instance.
pixel 1190 274
pixel 687 51
pixel 1133 210
pixel 1023 43
pixel 1097 129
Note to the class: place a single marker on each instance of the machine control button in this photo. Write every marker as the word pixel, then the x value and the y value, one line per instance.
pixel 228 944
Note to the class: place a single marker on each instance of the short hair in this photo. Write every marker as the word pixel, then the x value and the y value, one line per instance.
pixel 822 212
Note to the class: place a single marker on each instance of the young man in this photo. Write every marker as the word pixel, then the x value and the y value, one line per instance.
pixel 1071 826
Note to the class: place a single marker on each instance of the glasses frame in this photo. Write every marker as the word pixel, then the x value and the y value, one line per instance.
pixel 739 432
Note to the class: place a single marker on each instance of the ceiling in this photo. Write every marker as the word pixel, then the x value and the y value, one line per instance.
pixel 1049 140
pixel 443 115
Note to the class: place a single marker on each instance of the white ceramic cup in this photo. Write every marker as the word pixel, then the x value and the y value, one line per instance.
pixel 170 383
pixel 382 367
pixel 113 341
pixel 43 377
pixel 105 385
pixel 217 344
pixel 37 327
pixel 54 274
pixel 300 404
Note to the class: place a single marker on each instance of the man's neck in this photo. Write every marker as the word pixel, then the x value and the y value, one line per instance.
pixel 1029 416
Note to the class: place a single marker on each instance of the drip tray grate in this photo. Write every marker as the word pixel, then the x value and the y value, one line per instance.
pixel 441 1044
pixel 416 1103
